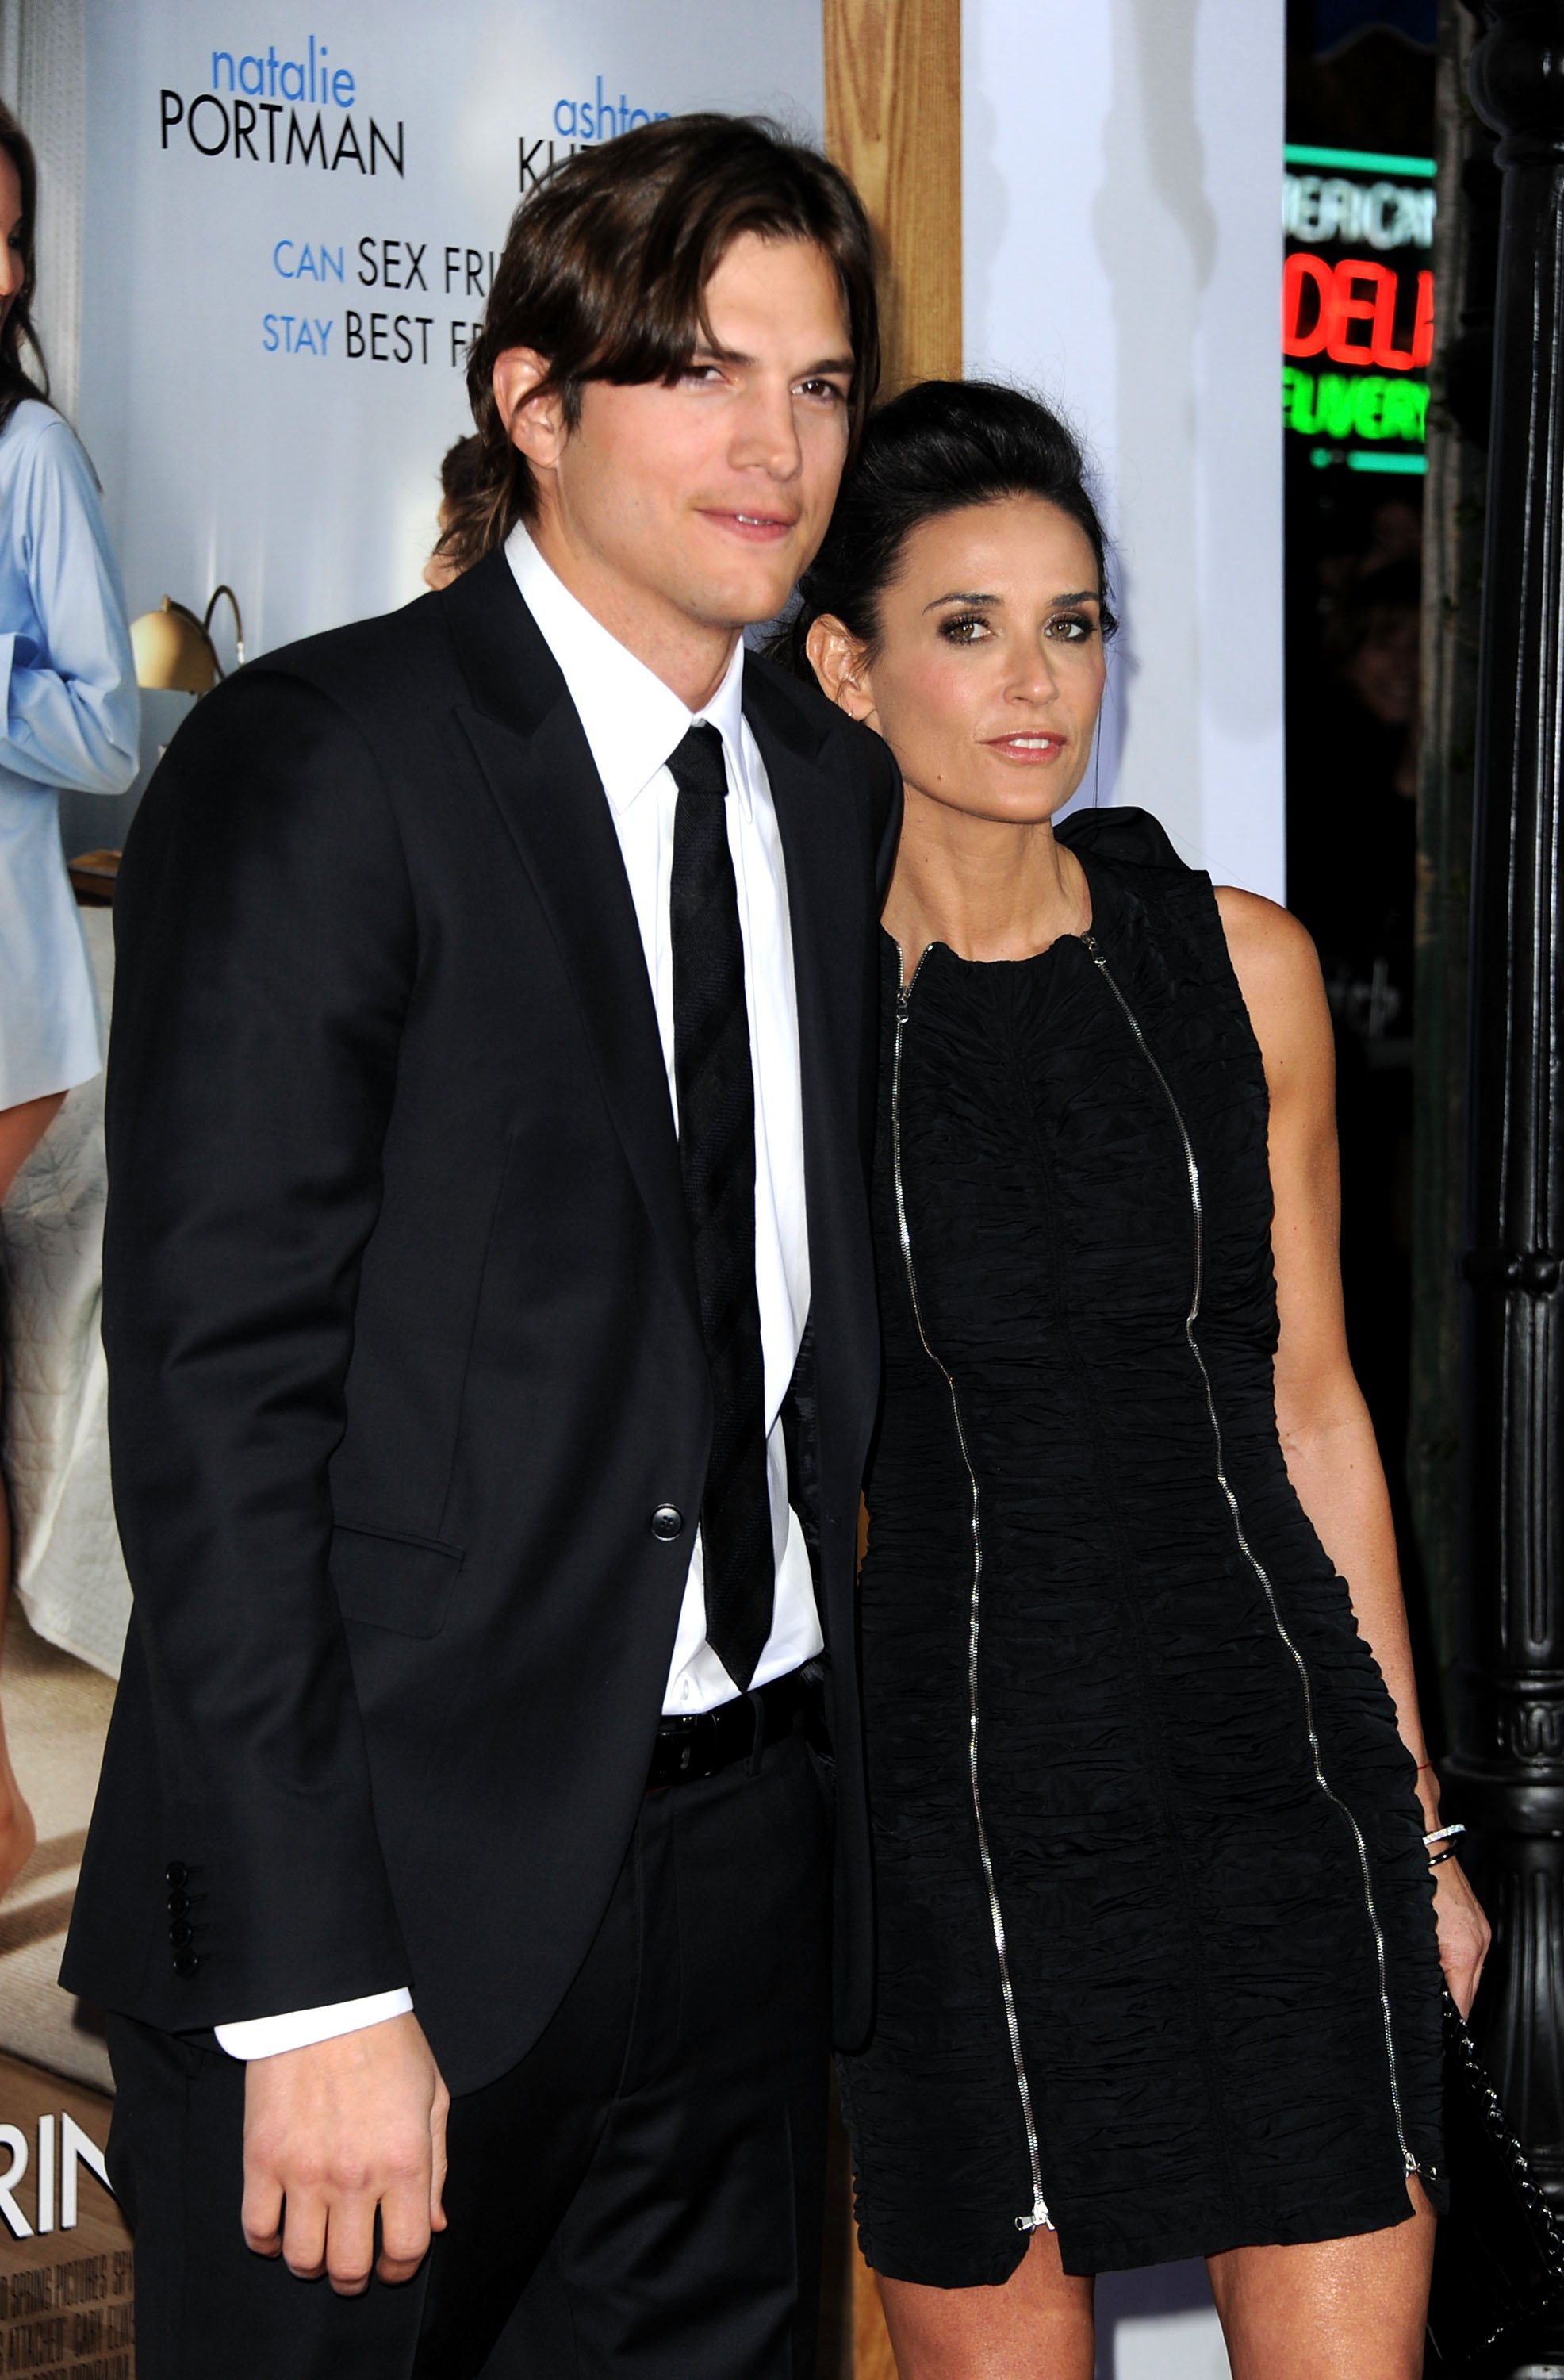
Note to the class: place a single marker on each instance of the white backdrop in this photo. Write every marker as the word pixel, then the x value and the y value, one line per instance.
pixel 1121 175
pixel 250 419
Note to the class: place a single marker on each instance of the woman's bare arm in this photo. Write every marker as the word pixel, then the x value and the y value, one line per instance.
pixel 1327 1436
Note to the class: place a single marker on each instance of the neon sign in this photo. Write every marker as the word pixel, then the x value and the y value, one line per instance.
pixel 1356 405
pixel 1357 330
pixel 1321 305
pixel 1372 214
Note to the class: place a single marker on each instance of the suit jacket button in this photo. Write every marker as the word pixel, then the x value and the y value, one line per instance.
pixel 667 1523
pixel 186 1965
pixel 178 1875
pixel 178 1904
pixel 181 1935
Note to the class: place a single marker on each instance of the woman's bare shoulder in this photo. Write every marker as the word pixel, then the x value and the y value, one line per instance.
pixel 1278 969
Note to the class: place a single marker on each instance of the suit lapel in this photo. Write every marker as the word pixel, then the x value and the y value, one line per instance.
pixel 533 753
pixel 825 901
pixel 829 899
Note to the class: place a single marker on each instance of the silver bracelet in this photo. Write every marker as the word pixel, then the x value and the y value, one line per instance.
pixel 1443 1834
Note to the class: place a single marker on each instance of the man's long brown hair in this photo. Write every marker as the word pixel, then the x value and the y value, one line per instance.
pixel 605 269
pixel 17 330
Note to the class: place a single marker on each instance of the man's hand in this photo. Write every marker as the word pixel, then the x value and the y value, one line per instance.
pixel 336 2133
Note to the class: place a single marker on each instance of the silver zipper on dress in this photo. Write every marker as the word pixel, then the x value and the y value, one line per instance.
pixel 1039 2218
pixel 1198 1212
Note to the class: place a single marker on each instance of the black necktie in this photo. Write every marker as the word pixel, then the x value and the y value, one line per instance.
pixel 716 1086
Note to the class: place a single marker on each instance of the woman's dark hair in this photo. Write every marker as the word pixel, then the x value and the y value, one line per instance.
pixel 605 269
pixel 937 448
pixel 17 328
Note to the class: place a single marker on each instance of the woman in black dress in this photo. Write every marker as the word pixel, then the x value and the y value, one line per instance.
pixel 1159 1971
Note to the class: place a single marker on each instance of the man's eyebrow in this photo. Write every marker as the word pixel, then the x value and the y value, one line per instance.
pixel 707 353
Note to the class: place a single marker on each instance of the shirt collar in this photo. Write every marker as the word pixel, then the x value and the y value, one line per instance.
pixel 632 722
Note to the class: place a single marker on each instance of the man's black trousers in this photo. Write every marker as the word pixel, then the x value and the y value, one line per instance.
pixel 640 2196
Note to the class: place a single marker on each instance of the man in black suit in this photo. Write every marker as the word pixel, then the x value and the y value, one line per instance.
pixel 492 1352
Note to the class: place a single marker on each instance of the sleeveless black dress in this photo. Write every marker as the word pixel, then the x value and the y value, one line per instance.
pixel 1156 1943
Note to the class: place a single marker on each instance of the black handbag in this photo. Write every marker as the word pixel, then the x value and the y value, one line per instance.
pixel 1498 2260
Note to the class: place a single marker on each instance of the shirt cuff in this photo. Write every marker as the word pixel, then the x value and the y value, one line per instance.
pixel 268 2036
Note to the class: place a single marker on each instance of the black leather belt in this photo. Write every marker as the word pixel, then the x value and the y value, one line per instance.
pixel 687 1749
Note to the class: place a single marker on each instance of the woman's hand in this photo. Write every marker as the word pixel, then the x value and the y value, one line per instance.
pixel 1464 1933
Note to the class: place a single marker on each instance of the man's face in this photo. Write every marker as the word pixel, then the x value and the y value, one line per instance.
pixel 698 504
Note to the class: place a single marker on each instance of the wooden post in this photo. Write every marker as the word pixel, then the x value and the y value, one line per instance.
pixel 872 2359
pixel 893 121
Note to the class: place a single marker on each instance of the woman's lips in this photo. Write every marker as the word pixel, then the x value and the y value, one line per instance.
pixel 1032 751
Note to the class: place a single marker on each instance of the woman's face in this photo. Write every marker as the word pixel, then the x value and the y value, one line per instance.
pixel 988 676
pixel 13 265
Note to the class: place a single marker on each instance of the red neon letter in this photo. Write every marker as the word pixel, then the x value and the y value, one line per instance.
pixel 1346 308
pixel 1387 355
pixel 1422 336
pixel 1299 271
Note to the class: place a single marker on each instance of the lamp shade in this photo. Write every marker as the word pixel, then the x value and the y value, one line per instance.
pixel 172 650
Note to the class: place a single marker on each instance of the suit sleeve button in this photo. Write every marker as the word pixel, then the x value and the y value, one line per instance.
pixel 178 1875
pixel 186 1963
pixel 667 1523
pixel 181 1935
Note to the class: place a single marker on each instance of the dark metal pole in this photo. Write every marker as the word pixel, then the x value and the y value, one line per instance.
pixel 1465 256
pixel 1508 1773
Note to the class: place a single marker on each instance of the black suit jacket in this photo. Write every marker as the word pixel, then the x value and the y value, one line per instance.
pixel 403 1341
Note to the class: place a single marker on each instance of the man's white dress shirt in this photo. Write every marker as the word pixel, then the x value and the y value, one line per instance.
pixel 632 724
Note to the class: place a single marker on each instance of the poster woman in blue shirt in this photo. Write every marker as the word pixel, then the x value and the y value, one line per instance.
pixel 67 718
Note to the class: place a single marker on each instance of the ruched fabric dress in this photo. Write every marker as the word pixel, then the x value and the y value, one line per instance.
pixel 1169 1972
